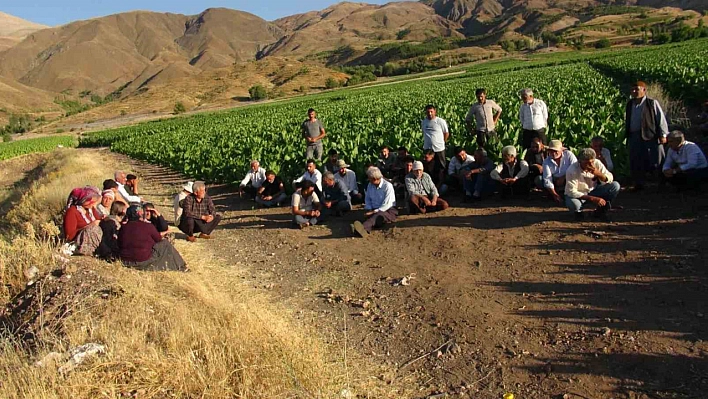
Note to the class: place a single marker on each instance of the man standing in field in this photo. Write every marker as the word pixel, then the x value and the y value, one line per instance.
pixel 533 115
pixel 435 134
pixel 645 130
pixel 485 113
pixel 313 132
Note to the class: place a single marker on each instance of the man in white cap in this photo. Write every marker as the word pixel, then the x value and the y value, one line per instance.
pixel 422 195
pixel 511 174
pixel 177 203
pixel 555 165
pixel 348 178
pixel 253 181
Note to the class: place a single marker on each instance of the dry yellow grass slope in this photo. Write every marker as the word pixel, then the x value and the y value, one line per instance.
pixel 203 334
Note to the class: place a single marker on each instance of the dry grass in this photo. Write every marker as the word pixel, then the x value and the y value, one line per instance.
pixel 203 334
pixel 674 109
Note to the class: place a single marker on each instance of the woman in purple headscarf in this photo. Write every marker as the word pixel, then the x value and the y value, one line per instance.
pixel 81 220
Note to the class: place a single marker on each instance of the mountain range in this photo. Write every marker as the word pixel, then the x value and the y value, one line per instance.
pixel 131 53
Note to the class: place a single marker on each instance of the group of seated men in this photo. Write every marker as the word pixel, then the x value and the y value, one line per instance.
pixel 569 179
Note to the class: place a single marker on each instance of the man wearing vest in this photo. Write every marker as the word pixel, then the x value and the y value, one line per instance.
pixel 646 130
pixel 511 174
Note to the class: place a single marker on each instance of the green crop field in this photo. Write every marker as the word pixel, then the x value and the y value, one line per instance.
pixel 31 146
pixel 583 102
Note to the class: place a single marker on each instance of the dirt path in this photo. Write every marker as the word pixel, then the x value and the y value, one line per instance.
pixel 529 302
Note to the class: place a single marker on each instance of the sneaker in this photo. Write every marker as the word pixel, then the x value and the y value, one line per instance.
pixel 191 238
pixel 205 236
pixel 358 228
pixel 579 216
pixel 303 225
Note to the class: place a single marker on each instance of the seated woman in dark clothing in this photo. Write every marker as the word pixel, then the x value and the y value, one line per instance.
pixel 81 220
pixel 153 216
pixel 110 225
pixel 142 247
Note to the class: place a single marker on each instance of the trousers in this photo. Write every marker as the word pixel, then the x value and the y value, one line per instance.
pixel 380 218
pixel 189 226
pixel 608 192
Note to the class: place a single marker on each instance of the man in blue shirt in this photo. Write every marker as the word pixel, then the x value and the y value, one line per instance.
pixel 380 204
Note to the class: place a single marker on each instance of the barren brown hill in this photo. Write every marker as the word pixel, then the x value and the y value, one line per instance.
pixel 359 24
pixel 103 54
pixel 14 29
pixel 16 98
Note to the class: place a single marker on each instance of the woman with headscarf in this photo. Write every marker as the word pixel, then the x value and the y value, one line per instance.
pixel 110 225
pixel 143 248
pixel 108 197
pixel 81 220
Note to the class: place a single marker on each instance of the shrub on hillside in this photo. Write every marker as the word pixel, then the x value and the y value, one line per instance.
pixel 179 108
pixel 603 43
pixel 258 92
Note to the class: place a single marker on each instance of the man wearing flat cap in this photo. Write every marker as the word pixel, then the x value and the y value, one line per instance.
pixel 423 196
pixel 555 165
pixel 348 178
pixel 645 130
pixel 512 174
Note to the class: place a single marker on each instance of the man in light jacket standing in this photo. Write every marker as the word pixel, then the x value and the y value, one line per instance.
pixel 485 113
pixel 533 114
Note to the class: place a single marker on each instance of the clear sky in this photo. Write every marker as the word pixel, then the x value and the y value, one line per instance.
pixel 58 12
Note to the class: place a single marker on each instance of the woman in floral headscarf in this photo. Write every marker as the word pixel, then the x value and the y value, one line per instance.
pixel 81 220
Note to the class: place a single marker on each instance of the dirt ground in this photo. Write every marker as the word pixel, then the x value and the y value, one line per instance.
pixel 502 296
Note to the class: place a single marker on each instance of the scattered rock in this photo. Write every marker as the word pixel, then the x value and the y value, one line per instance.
pixel 606 331
pixel 79 354
pixel 50 359
pixel 31 273
pixel 346 394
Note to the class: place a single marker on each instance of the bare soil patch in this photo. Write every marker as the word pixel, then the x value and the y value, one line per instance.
pixel 502 297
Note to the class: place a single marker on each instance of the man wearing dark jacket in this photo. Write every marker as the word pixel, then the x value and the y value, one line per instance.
pixel 645 130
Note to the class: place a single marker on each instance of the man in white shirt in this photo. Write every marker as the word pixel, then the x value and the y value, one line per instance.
pixel 120 177
pixel 685 164
pixel 348 178
pixel 177 201
pixel 380 204
pixel 602 153
pixel 485 113
pixel 533 114
pixel 554 167
pixel 435 134
pixel 311 174
pixel 253 181
pixel 589 180
pixel 305 205
pixel 458 167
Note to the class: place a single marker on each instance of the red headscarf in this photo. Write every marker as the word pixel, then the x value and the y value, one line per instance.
pixel 81 195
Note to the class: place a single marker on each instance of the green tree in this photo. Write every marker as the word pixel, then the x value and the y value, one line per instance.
pixel 603 43
pixel 257 92
pixel 332 83
pixel 179 108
